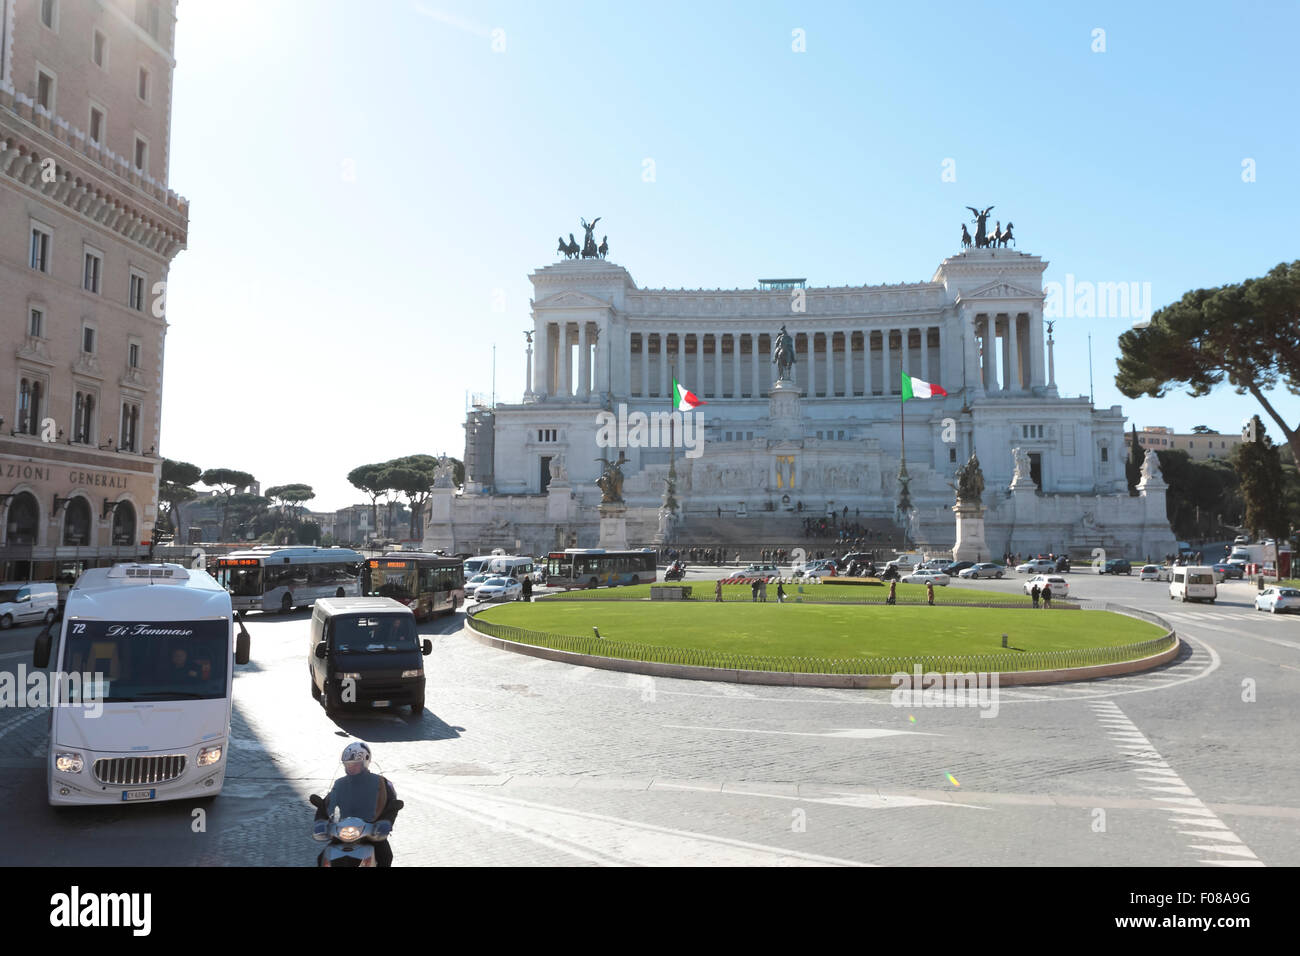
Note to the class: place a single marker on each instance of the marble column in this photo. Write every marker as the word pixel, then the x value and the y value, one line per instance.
pixel 1013 342
pixel 866 363
pixel 645 364
pixel 717 365
pixel 755 390
pixel 925 353
pixel 697 386
pixel 541 370
pixel 812 364
pixel 568 360
pixel 848 363
pixel 665 381
pixel 584 362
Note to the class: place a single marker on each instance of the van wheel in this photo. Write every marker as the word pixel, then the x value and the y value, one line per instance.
pixel 49 617
pixel 6 622
pixel 286 604
pixel 315 691
pixel 332 703
pixel 338 593
pixel 417 708
pixel 635 580
pixel 591 586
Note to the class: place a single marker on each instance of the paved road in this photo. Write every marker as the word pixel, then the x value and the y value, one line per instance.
pixel 522 761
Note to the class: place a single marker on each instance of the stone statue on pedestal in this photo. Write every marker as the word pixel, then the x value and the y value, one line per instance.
pixel 610 481
pixel 783 354
pixel 970 482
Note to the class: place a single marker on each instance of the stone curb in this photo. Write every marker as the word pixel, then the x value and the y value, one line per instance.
pixel 779 678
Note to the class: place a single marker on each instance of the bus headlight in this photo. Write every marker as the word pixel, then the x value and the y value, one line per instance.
pixel 209 755
pixel 413 673
pixel 68 763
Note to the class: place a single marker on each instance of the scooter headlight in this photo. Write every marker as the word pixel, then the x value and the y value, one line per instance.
pixel 68 763
pixel 209 755
pixel 349 834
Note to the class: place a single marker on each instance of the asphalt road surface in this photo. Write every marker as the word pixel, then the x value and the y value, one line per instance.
pixel 518 761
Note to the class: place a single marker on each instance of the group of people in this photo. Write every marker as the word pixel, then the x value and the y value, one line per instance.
pixel 757 589
pixel 1045 593
pixel 714 556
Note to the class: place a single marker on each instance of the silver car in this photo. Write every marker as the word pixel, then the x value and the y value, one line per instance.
pixel 1279 600
pixel 985 570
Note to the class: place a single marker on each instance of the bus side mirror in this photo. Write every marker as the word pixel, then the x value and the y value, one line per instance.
pixel 242 643
pixel 427 647
pixel 41 650
pixel 319 651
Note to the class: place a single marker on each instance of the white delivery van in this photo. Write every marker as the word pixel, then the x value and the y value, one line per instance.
pixel 141 712
pixel 36 602
pixel 477 565
pixel 510 566
pixel 1193 583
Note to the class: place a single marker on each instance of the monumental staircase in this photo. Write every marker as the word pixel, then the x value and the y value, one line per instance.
pixel 752 534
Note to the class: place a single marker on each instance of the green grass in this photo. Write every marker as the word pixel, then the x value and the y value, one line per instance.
pixel 843 593
pixel 831 631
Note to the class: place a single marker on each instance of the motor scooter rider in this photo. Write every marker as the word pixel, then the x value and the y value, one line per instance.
pixel 360 793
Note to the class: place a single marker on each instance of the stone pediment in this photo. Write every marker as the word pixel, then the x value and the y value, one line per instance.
pixel 571 299
pixel 1000 288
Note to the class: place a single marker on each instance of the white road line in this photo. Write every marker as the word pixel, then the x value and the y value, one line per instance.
pixel 1186 804
pixel 19 721
pixel 852 733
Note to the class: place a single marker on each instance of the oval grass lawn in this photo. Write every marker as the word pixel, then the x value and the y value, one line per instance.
pixel 843 593
pixel 833 631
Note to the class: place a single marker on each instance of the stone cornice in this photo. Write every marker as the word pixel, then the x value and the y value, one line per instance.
pixel 120 201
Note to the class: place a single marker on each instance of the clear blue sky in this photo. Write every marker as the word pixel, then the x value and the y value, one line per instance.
pixel 319 321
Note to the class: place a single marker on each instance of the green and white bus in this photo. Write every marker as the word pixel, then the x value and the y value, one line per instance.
pixel 274 578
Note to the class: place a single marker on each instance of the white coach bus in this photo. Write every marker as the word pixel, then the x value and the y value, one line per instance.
pixel 141 710
pixel 272 578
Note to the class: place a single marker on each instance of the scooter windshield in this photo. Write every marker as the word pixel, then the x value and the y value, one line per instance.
pixel 356 796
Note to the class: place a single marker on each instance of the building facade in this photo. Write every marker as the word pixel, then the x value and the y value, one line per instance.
pixel 601 346
pixel 1200 446
pixel 88 229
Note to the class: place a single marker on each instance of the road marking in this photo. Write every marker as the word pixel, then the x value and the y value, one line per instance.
pixel 19 721
pixel 613 840
pixel 1187 803
pixel 854 733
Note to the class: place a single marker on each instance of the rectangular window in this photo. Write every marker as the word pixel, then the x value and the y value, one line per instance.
pixel 98 48
pixel 94 266
pixel 88 340
pixel 45 90
pixel 142 84
pixel 47 13
pixel 130 427
pixel 133 355
pixel 40 249
pixel 1105 453
pixel 952 455
pixel 36 324
pixel 96 125
pixel 135 297
pixel 141 153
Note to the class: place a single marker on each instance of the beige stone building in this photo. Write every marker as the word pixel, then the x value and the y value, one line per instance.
pixel 88 229
pixel 1198 446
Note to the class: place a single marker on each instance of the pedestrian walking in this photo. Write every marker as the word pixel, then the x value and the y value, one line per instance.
pixel 893 593
pixel 753 590
pixel 929 592
pixel 780 593
pixel 762 590
pixel 1034 594
pixel 1047 595
pixel 717 590
pixel 528 589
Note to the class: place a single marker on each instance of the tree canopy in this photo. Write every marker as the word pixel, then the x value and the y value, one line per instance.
pixel 1263 488
pixel 1243 332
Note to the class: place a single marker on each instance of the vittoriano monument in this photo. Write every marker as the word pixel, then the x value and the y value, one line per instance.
pixel 983 239
pixel 589 249
pixel 969 510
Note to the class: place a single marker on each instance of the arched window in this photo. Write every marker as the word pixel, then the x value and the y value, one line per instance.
pixel 21 521
pixel 123 524
pixel 76 523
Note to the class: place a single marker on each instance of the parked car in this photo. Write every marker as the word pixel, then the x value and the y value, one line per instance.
pixel 499 588
pixel 1224 570
pixel 1279 600
pixel 957 567
pixel 926 576
pixel 1060 586
pixel 763 571
pixel 1117 566
pixel 1037 566
pixel 985 569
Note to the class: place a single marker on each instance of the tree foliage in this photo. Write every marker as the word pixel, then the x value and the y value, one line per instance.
pixel 174 487
pixel 1209 485
pixel 227 481
pixel 371 480
pixel 1263 487
pixel 1243 332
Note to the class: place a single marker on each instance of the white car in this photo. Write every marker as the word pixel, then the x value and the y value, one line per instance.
pixel 472 584
pixel 1278 600
pixel 985 570
pixel 759 571
pixel 499 589
pixel 1037 566
pixel 1241 539
pixel 1060 586
pixel 1149 572
pixel 926 576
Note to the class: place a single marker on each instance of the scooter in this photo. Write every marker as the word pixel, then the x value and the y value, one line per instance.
pixel 351 839
pixel 676 571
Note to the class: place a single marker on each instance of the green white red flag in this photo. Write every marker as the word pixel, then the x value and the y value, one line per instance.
pixel 684 399
pixel 915 388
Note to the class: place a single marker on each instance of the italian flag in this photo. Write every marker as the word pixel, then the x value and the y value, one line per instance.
pixel 684 399
pixel 915 388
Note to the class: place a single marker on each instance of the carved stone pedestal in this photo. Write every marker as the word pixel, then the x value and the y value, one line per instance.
pixel 613 527
pixel 970 544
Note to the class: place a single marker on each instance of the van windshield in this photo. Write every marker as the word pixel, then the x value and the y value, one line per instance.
pixel 151 660
pixel 373 633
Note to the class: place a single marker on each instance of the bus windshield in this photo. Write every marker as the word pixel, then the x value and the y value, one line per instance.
pixel 243 581
pixel 392 581
pixel 373 633
pixel 150 660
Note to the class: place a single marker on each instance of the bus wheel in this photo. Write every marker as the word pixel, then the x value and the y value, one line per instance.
pixel 286 604
pixel 635 580
pixel 591 585
pixel 6 622
pixel 338 593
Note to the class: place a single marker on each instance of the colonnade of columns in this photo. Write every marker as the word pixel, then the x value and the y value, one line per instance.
pixel 1008 352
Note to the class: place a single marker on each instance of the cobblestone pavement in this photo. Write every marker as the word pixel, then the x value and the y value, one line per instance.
pixel 518 761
